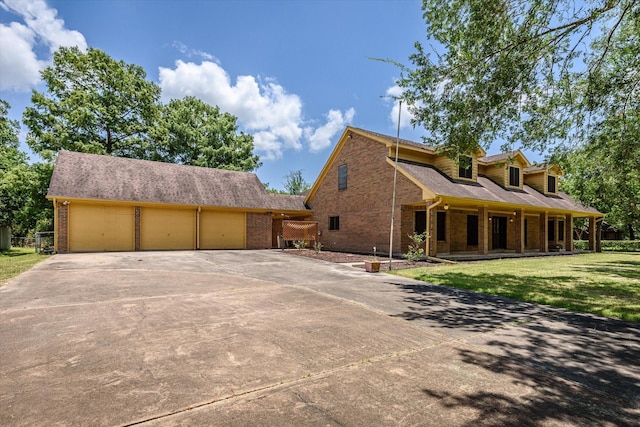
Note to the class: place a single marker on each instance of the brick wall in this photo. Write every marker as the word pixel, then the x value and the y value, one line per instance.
pixel 364 207
pixel 62 233
pixel 258 230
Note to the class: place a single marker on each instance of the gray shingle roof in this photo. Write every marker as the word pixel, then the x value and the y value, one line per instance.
pixel 487 190
pixel 92 176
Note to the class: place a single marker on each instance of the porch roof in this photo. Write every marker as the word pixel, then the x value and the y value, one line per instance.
pixel 486 190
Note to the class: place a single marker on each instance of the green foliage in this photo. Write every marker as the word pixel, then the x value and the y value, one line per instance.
pixel 198 134
pixel 610 245
pixel 415 251
pixel 93 104
pixel 317 246
pixel 518 70
pixel 295 183
pixel 299 244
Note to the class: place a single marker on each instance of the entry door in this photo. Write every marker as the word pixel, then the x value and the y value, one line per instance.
pixel 499 232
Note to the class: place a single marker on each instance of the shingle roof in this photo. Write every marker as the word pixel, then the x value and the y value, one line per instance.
pixel 392 139
pixel 487 190
pixel 92 176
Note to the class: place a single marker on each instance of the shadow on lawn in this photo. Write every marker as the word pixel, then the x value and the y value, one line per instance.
pixel 522 339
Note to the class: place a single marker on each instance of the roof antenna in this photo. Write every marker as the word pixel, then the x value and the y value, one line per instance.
pixel 395 179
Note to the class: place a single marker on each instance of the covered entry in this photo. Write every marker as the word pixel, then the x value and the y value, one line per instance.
pixel 165 228
pixel 222 230
pixel 98 228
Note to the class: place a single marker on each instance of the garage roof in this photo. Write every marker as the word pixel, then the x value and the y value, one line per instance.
pixel 99 177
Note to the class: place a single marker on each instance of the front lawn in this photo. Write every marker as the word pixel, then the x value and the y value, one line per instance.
pixel 607 284
pixel 17 260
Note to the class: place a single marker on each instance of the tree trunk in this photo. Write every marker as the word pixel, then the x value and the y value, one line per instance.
pixel 109 146
pixel 632 236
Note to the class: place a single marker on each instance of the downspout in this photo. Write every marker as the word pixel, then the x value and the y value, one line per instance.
pixel 433 205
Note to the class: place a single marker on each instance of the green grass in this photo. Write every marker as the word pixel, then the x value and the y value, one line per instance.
pixel 606 284
pixel 16 261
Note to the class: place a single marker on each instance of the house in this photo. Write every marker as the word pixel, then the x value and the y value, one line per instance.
pixel 477 205
pixel 105 203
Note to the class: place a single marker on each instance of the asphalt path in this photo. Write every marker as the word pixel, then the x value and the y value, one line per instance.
pixel 265 338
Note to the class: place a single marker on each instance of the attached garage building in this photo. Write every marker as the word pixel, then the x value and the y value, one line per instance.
pixel 105 203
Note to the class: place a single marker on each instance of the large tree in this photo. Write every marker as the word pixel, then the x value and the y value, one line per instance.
pixel 94 104
pixel 23 186
pixel 193 132
pixel 520 71
pixel 295 183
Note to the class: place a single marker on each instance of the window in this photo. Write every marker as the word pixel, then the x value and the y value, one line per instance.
pixel 442 226
pixel 342 177
pixel 561 231
pixel 334 223
pixel 420 222
pixel 551 184
pixel 525 232
pixel 514 176
pixel 465 167
pixel 551 230
pixel 472 230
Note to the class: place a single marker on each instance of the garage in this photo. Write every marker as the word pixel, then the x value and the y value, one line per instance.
pixel 97 228
pixel 108 203
pixel 222 230
pixel 166 228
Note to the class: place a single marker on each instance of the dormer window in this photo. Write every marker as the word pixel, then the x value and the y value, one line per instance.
pixel 465 167
pixel 514 176
pixel 551 184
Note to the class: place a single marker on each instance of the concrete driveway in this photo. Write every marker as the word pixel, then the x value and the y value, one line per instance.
pixel 265 338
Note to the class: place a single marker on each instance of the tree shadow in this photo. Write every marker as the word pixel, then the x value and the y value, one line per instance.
pixel 625 269
pixel 602 355
pixel 10 253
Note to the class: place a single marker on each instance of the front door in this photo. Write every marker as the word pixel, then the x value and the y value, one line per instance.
pixel 499 232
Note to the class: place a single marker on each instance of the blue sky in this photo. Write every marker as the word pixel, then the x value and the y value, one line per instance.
pixel 295 73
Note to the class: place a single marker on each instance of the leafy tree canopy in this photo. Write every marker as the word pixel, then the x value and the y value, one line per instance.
pixel 93 104
pixel 295 183
pixel 522 71
pixel 195 133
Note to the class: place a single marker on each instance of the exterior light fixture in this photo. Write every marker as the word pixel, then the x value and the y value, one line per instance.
pixel 446 206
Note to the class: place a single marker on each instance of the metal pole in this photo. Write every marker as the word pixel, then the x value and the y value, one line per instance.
pixel 395 179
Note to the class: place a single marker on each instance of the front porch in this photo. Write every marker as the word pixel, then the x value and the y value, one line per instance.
pixel 461 232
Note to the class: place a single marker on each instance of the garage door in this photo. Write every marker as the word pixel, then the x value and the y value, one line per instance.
pixel 97 228
pixel 222 230
pixel 162 229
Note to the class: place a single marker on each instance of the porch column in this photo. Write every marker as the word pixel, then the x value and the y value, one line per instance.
pixel 483 231
pixel 519 231
pixel 592 233
pixel 568 232
pixel 544 232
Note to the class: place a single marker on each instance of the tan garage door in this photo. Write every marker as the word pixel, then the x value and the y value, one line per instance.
pixel 162 229
pixel 222 230
pixel 98 228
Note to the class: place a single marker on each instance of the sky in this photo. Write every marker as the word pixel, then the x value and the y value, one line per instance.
pixel 294 73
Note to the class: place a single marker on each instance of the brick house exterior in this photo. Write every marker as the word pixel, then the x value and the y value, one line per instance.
pixel 497 204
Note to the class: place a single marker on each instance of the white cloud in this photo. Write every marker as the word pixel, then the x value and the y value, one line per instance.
pixel 321 138
pixel 394 93
pixel 263 107
pixel 18 60
pixel 189 53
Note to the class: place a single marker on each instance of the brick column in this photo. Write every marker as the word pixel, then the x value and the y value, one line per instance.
pixel 592 233
pixel 568 232
pixel 519 231
pixel 483 231
pixel 544 243
pixel 137 227
pixel 63 228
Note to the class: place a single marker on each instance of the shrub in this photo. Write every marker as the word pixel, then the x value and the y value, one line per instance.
pixel 415 252
pixel 300 244
pixel 317 246
pixel 610 245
